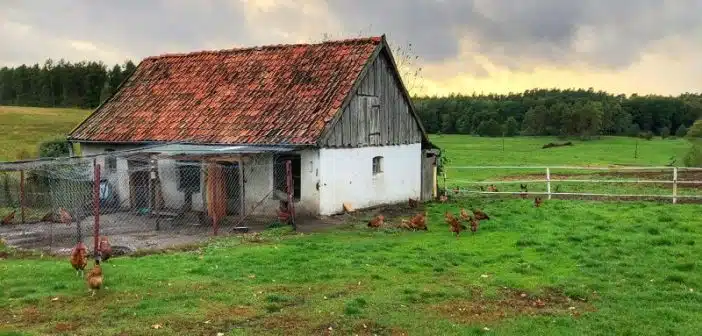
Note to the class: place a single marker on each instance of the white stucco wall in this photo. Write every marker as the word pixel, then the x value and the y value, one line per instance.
pixel 347 176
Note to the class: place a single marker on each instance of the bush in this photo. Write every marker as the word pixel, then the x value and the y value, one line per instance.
pixel 54 148
pixel 681 132
pixel 665 132
pixel 693 158
pixel 633 130
pixel 694 154
pixel 489 128
pixel 648 135
pixel 511 127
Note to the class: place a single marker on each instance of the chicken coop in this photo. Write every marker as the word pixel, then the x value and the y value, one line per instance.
pixel 167 195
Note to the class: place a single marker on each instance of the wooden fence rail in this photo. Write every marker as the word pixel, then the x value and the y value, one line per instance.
pixel 548 180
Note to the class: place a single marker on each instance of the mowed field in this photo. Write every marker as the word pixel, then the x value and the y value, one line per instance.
pixel 566 268
pixel 623 152
pixel 22 129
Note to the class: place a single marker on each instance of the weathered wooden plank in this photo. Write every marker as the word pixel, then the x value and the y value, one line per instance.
pixel 346 124
pixel 361 131
pixel 378 75
pixel 353 120
pixel 378 114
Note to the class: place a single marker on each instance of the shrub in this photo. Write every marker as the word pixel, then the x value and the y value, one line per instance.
pixel 54 148
pixel 681 132
pixel 665 132
pixel 648 135
pixel 511 127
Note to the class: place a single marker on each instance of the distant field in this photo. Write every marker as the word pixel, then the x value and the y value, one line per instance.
pixel 464 151
pixel 23 128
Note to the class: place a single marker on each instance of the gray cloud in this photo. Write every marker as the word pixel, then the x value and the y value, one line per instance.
pixel 522 34
pixel 518 34
pixel 134 28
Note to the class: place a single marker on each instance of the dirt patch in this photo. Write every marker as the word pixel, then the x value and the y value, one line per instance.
pixel 370 328
pixel 512 304
pixel 290 323
pixel 63 327
pixel 393 214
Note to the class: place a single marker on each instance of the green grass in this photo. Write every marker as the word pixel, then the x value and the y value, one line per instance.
pixel 627 268
pixel 465 151
pixel 22 129
pixel 602 268
pixel 526 151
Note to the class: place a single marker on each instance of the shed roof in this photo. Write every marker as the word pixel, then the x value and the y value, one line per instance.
pixel 272 95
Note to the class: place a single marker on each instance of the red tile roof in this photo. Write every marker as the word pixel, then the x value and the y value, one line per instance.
pixel 282 94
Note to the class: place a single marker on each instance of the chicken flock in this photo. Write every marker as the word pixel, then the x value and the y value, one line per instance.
pixel 79 261
pixel 455 222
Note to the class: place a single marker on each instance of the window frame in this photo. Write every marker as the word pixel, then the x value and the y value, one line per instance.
pixel 377 165
pixel 279 173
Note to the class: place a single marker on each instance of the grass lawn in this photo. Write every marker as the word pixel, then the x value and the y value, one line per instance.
pixel 568 268
pixel 526 151
pixel 23 128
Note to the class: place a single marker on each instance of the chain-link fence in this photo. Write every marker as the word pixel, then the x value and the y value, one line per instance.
pixel 141 203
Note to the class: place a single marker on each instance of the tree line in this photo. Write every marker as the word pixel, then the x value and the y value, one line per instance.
pixel 553 112
pixel 61 84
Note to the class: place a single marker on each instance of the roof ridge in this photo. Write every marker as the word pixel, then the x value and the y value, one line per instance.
pixel 374 39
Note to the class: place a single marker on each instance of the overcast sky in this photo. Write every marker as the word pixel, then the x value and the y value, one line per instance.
pixel 646 46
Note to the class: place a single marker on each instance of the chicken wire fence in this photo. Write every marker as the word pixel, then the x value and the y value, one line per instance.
pixel 141 203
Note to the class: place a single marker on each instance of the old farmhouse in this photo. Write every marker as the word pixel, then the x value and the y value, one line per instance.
pixel 338 110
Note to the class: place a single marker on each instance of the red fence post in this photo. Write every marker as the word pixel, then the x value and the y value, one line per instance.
pixel 22 195
pixel 291 191
pixel 96 206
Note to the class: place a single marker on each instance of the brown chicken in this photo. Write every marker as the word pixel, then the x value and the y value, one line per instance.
pixel 474 223
pixel 418 222
pixel 9 218
pixel 64 216
pixel 443 198
pixel 480 215
pixel 412 203
pixel 104 248
pixel 376 222
pixel 94 278
pixel 464 215
pixel 537 201
pixel 79 258
pixel 492 188
pixel 456 226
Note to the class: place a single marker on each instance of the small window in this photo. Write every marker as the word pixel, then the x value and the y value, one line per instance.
pixel 110 161
pixel 377 165
pixel 188 176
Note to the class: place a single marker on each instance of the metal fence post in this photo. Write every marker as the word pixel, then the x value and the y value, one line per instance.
pixel 675 184
pixel 96 206
pixel 548 182
pixel 290 191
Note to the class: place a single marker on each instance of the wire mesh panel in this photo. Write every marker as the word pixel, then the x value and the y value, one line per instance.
pixel 142 203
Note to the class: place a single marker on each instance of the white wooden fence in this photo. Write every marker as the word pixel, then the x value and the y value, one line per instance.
pixel 548 180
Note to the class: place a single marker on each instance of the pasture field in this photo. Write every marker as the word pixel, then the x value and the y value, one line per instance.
pixel 567 268
pixel 22 129
pixel 527 151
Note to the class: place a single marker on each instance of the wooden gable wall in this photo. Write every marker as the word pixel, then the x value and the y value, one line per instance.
pixel 378 113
